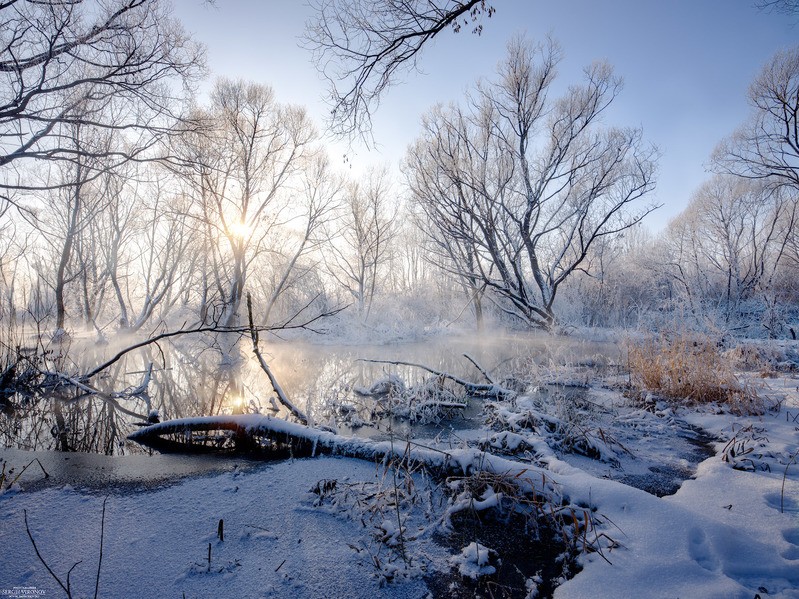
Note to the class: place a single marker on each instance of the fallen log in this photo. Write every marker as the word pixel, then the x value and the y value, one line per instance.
pixel 305 441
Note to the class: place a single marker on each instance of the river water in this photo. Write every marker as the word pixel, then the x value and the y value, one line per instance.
pixel 190 377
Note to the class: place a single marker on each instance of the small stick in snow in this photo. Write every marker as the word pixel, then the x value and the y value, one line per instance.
pixel 100 560
pixel 44 563
pixel 21 472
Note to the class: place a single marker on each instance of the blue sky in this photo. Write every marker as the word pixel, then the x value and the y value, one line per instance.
pixel 687 65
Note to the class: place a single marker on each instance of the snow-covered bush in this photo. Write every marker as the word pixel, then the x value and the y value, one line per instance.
pixel 429 401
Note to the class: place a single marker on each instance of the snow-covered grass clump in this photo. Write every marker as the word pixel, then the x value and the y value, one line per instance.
pixel 473 561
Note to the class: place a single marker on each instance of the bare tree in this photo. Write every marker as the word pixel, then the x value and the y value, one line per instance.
pixel 450 240
pixel 360 244
pixel 362 47
pixel 314 202
pixel 118 65
pixel 147 237
pixel 728 247
pixel 240 170
pixel 767 146
pixel 14 245
pixel 742 231
pixel 72 202
pixel 523 187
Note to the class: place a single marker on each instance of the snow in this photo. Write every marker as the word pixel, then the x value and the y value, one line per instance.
pixel 730 531
pixel 472 561
pixel 156 543
pixel 721 535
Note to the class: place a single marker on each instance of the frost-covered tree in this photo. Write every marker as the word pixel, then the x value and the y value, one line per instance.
pixel 767 145
pixel 240 168
pixel 360 239
pixel 150 245
pixel 86 86
pixel 521 186
pixel 617 285
pixel 728 247
pixel 72 198
pixel 313 203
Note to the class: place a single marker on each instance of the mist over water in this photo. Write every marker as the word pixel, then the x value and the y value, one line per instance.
pixel 191 378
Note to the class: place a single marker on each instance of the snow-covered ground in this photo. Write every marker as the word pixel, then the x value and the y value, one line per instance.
pixel 328 527
pixel 727 533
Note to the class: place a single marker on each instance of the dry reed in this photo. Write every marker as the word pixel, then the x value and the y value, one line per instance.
pixel 686 367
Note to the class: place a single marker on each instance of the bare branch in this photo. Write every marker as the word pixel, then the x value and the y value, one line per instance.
pixel 362 47
pixel 767 145
pixel 281 395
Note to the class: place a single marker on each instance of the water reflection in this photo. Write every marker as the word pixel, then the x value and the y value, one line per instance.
pixel 190 378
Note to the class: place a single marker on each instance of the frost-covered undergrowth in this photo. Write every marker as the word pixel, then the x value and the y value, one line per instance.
pixel 561 457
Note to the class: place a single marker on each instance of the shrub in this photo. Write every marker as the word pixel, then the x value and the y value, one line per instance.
pixel 686 367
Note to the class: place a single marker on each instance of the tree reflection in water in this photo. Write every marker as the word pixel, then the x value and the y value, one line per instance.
pixel 190 379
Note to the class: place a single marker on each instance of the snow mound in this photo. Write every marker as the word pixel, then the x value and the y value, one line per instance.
pixel 472 562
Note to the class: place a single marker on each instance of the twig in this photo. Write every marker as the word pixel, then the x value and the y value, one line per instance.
pixel 69 573
pixel 784 476
pixel 100 560
pixel 41 559
pixel 471 388
pixel 480 368
pixel 21 472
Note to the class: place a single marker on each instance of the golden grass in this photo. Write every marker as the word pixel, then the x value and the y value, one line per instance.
pixel 686 367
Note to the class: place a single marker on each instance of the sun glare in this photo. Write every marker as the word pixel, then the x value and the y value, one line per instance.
pixel 237 402
pixel 239 229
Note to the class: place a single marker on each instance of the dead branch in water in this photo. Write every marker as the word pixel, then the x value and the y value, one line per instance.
pixel 480 368
pixel 471 388
pixel 281 395
pixel 89 391
pixel 39 378
pixel 289 324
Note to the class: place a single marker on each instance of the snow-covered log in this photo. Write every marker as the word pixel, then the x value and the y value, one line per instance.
pixel 307 441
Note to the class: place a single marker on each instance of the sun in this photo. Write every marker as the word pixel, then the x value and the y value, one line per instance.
pixel 239 229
